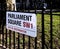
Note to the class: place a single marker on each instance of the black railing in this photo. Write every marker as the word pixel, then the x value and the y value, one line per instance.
pixel 13 40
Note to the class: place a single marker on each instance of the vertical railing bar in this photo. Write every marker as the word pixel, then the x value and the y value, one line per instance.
pixel 9 39
pixel 36 43
pixel 13 40
pixel 19 36
pixel 2 26
pixel 6 38
pixel 0 23
pixel 28 36
pixel 3 12
pixel 18 41
pixel 22 5
pixel 59 22
pixel 23 34
pixel 35 37
pixel 29 43
pixel 43 35
pixel 2 34
pixel 6 29
pixel 23 41
pixel 51 27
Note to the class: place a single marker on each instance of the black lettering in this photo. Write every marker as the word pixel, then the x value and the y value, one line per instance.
pixel 30 18
pixel 14 22
pixel 27 18
pixel 21 17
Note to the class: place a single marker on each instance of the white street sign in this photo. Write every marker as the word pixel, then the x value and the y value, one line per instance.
pixel 24 23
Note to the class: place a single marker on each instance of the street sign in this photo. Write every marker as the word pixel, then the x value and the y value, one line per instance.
pixel 24 23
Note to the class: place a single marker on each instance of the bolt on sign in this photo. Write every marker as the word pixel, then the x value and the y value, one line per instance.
pixel 24 23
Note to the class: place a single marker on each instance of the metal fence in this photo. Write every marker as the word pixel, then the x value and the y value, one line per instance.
pixel 45 34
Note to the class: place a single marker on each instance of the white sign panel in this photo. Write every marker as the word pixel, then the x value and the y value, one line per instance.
pixel 24 23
